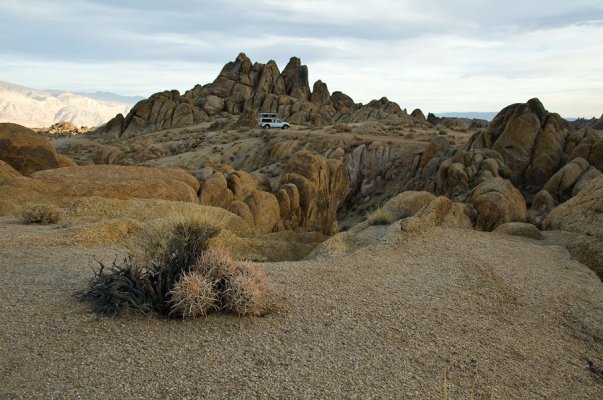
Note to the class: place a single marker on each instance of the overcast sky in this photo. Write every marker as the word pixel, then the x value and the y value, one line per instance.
pixel 464 55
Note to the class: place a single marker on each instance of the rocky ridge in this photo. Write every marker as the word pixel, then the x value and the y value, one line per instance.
pixel 243 86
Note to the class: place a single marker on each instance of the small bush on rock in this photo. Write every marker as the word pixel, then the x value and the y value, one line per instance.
pixel 41 214
pixel 176 275
pixel 381 217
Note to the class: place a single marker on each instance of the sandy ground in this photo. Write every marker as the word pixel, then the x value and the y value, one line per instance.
pixel 445 314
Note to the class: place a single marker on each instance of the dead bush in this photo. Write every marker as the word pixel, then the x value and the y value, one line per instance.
pixel 41 214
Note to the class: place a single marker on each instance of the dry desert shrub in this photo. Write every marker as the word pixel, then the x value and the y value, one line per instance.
pixel 381 217
pixel 174 274
pixel 41 214
pixel 339 128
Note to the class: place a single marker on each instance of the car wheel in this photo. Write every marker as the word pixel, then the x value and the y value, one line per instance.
pixel 266 126
pixel 285 126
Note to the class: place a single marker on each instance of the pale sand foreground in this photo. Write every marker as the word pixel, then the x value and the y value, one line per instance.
pixel 446 314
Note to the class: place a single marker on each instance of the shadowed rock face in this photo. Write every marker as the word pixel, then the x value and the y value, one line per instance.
pixel 582 213
pixel 28 152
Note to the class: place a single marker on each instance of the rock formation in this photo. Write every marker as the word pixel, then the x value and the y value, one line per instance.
pixel 243 194
pixel 162 110
pixel 530 140
pixel 437 211
pixel 61 186
pixel 243 87
pixel 28 152
pixel 497 201
pixel 582 213
pixel 320 184
pixel 7 173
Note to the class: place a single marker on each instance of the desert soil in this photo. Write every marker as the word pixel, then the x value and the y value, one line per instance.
pixel 445 314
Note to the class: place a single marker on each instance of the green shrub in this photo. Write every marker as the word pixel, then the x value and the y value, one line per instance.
pixel 41 214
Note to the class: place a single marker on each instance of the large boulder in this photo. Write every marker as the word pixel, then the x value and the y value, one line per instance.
pixel 563 181
pixel 7 173
pixel 582 213
pixel 530 139
pixel 321 184
pixel 497 201
pixel 295 76
pixel 243 194
pixel 436 211
pixel 588 144
pixel 61 186
pixel 407 204
pixel 28 152
pixel 214 191
pixel 264 209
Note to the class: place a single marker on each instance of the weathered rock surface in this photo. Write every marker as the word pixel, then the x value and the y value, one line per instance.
pixel 497 201
pixel 243 194
pixel 162 110
pixel 588 144
pixel 243 87
pixel 28 152
pixel 562 182
pixel 442 211
pixel 581 214
pixel 442 170
pixel 407 204
pixel 530 139
pixel 520 229
pixel 61 186
pixel 7 172
pixel 321 184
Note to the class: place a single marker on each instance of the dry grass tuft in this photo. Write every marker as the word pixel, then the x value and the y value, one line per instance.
pixel 381 217
pixel 96 208
pixel 41 214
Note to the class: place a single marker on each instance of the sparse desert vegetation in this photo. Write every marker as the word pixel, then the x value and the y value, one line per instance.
pixel 41 214
pixel 363 253
pixel 175 273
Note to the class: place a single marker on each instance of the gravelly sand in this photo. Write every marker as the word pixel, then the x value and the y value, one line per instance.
pixel 447 314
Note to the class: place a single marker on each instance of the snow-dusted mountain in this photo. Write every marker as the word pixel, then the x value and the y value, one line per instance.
pixel 41 108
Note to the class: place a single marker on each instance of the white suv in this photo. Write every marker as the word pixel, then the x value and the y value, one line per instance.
pixel 272 121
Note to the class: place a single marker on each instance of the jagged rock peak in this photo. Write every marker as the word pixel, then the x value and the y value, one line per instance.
pixel 243 86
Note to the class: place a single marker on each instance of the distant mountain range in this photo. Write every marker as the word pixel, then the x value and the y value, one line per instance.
pixel 488 116
pixel 42 108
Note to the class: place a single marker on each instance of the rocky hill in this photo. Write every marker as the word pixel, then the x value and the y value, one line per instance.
pixel 243 86
pixel 39 108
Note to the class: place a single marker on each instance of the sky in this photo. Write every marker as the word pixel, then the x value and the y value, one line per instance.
pixel 463 55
